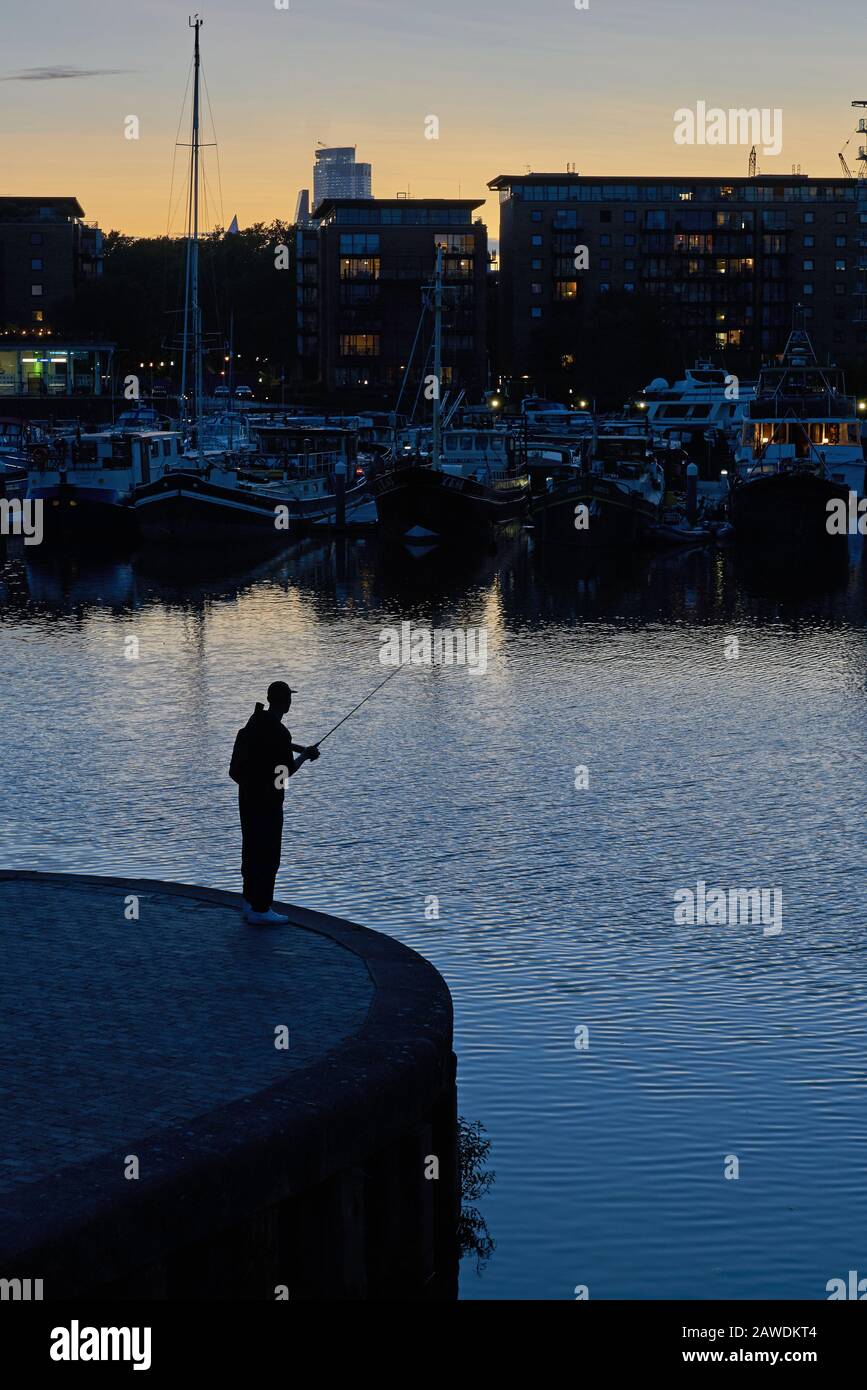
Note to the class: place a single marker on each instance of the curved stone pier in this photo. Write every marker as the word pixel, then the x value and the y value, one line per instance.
pixel 193 1108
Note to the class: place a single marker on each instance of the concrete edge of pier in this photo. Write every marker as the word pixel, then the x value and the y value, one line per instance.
pixel 320 1173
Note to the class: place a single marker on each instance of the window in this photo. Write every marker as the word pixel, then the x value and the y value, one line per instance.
pixel 605 263
pixel 839 241
pixel 839 265
pixel 808 265
pixel 535 313
pixel 535 289
pixel 566 219
pixel 629 287
pixel 808 289
pixel 566 289
pixel 604 288
pixel 455 242
pixel 536 265
pixel 359 267
pixel 605 239
pixel 537 241
pixel 35 238
pixel 359 344
pixel 36 290
pixel 840 218
pixel 38 316
pixel 809 241
pixel 36 264
pixel 839 289
pixel 655 220
pixel 629 215
pixel 628 265
pixel 535 217
pixel 604 216
pixel 358 244
pixel 629 240
pixel 809 217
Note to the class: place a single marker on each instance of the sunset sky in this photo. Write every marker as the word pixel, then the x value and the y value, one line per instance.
pixel 513 84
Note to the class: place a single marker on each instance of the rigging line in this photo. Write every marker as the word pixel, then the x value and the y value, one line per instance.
pixel 424 308
pixel 175 147
pixel 216 146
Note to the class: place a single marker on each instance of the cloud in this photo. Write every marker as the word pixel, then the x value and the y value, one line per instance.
pixel 58 74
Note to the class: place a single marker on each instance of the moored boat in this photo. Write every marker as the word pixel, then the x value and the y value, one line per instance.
pixel 800 450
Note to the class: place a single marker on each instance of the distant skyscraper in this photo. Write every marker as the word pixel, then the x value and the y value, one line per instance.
pixel 337 175
pixel 302 208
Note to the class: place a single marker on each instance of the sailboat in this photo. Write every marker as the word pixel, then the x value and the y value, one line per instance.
pixel 470 483
pixel 202 498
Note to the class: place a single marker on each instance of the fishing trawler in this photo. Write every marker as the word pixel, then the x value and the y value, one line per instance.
pixel 800 448
pixel 609 494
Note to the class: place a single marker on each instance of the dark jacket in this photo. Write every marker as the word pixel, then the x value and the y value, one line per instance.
pixel 263 748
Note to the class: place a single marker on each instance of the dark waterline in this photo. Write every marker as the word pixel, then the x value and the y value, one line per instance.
pixel 556 904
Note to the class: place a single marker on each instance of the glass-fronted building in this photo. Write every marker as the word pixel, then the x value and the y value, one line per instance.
pixel 37 368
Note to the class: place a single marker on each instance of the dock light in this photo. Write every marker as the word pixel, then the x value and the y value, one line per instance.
pixel 862 405
pixel 723 472
pixel 642 405
pixel 583 405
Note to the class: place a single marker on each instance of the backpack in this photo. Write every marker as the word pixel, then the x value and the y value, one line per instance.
pixel 239 767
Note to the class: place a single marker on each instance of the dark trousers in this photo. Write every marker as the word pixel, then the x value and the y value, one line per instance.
pixel 261 843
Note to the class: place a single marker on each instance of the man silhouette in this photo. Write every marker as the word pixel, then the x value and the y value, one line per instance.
pixel 262 759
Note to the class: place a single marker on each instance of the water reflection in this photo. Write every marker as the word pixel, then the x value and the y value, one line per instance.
pixel 555 903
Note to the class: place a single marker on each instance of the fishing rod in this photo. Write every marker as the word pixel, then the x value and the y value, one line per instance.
pixel 389 677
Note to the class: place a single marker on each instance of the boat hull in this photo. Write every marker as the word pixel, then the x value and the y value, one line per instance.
pixel 785 508
pixel 93 514
pixel 615 516
pixel 418 500
pixel 183 507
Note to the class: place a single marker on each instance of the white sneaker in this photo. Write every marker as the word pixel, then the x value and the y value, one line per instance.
pixel 269 918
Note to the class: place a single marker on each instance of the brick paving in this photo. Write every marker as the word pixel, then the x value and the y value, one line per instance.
pixel 112 1029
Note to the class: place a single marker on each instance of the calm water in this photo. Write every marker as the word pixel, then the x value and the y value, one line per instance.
pixel 556 904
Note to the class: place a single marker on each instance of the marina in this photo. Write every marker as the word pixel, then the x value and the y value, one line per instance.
pixel 432 615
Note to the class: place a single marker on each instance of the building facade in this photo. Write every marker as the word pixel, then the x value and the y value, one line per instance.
pixel 46 251
pixel 361 281
pixel 725 262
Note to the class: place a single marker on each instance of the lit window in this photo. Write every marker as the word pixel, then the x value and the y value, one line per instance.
pixel 537 241
pixel 808 289
pixel 535 289
pixel 36 264
pixel 535 313
pixel 839 265
pixel 359 344
pixel 36 291
pixel 808 265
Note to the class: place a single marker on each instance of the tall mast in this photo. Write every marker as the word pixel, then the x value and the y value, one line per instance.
pixel 436 442
pixel 195 23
